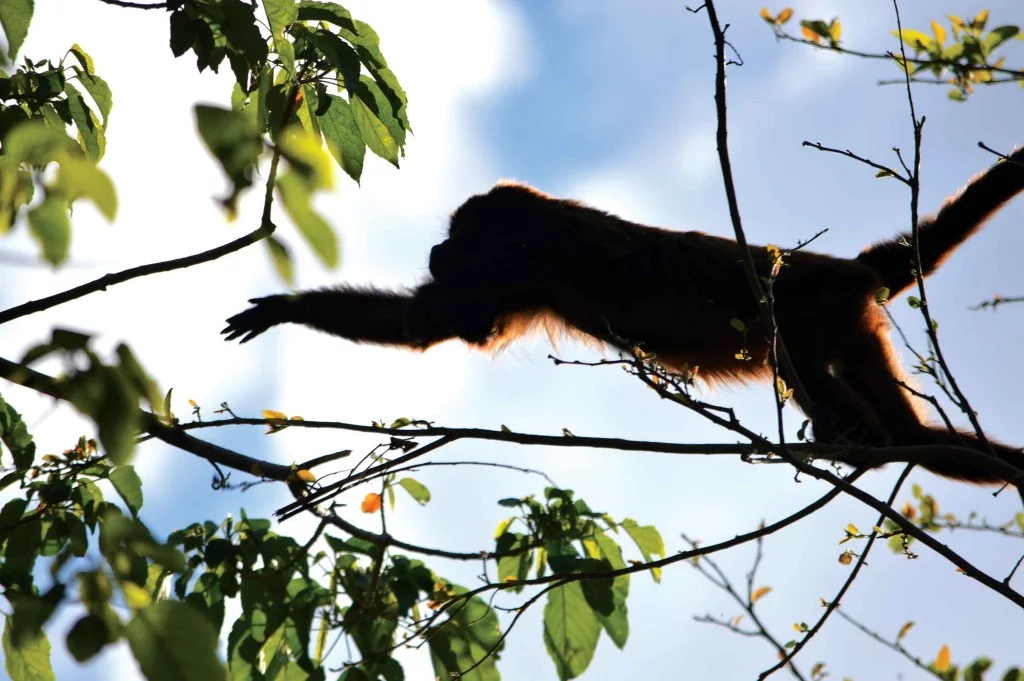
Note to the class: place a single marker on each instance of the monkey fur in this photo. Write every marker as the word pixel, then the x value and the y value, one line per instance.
pixel 516 258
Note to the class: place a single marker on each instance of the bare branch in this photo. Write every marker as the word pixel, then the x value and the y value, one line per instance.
pixel 831 607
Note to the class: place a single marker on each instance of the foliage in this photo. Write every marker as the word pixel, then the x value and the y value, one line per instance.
pixel 963 56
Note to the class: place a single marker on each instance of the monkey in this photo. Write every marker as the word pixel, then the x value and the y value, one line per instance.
pixel 516 259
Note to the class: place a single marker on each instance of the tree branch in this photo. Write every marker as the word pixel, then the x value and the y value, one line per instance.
pixel 101 284
pixel 30 378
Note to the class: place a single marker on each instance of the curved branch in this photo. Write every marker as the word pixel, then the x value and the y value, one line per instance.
pixel 101 284
pixel 30 378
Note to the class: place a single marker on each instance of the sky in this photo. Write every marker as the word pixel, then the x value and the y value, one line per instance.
pixel 608 102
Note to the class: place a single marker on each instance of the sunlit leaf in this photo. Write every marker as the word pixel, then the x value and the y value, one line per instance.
pixel 318 234
pixel 471 635
pixel 998 36
pixel 15 16
pixel 51 228
pixel 759 593
pixel 173 641
pixel 941 662
pixel 835 30
pixel 233 140
pixel 648 540
pixel 80 177
pixel 281 14
pixel 371 503
pixel 128 486
pixel 571 630
pixel 281 258
pixel 90 132
pixel 343 137
pixel 416 489
pixel 29 661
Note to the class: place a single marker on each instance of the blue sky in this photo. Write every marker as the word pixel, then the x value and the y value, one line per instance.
pixel 609 102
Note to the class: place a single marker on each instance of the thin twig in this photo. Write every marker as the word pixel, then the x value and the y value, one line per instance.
pixel 135 5
pixel 846 152
pixel 746 603
pixel 834 603
pixel 891 645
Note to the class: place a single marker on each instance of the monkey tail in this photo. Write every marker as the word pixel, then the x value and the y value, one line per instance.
pixel 960 217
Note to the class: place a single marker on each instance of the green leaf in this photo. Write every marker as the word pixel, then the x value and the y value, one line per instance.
pixel 916 40
pixel 100 93
pixel 339 54
pixel 90 135
pixel 174 642
pixel 88 636
pixel 234 142
pixel 648 540
pixel 15 436
pixel 29 661
pixel 516 567
pixel 84 59
pixel 78 539
pixel 15 16
pixel 50 226
pixel 37 144
pixel 332 13
pixel 344 139
pixel 281 14
pixel 571 630
pixel 80 177
pixel 128 486
pixel 975 671
pixel 914 302
pixel 296 199
pixel 102 394
pixel 281 258
pixel 24 544
pixel 470 633
pixel 377 126
pixel 416 489
pixel 306 156
pixel 183 32
pixel 998 36
pixel 136 377
pixel 615 623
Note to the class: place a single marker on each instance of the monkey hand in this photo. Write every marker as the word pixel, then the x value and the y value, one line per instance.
pixel 264 313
